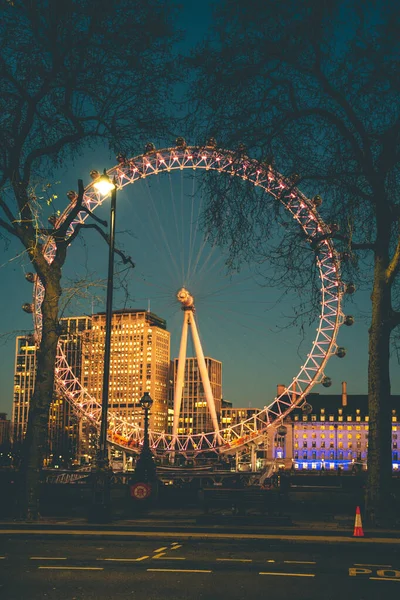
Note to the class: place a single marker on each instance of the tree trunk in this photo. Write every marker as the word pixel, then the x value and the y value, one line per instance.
pixel 379 480
pixel 35 442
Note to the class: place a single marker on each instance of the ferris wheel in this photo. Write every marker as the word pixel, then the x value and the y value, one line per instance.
pixel 276 188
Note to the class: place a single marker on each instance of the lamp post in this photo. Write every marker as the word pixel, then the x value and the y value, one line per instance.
pixel 145 466
pixel 101 503
pixel 144 483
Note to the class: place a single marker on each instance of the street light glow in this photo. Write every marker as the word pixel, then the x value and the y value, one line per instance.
pixel 104 185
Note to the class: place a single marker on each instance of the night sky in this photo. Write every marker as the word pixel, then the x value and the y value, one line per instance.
pixel 241 323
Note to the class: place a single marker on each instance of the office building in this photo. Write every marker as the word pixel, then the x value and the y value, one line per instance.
pixel 194 415
pixel 140 356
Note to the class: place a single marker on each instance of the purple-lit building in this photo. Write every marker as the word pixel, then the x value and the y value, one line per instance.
pixel 333 432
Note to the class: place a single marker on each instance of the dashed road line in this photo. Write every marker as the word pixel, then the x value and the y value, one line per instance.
pixel 385 579
pixel 175 546
pixel 364 565
pixel 289 574
pixel 159 555
pixel 179 570
pixel 300 562
pixel 244 560
pixel 47 558
pixel 71 568
pixel 160 549
pixel 124 559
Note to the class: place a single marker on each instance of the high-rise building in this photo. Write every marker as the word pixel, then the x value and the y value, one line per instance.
pixel 140 356
pixel 24 385
pixel 195 416
pixel 4 430
pixel 63 423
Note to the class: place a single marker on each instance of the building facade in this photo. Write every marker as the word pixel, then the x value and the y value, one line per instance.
pixel 332 432
pixel 63 432
pixel 195 417
pixel 5 431
pixel 140 357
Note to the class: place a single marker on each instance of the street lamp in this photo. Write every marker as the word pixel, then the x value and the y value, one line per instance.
pixel 101 502
pixel 145 467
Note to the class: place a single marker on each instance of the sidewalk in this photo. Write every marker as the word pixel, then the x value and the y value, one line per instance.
pixel 193 524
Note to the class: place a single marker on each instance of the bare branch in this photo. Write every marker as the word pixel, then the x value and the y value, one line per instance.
pixel 125 259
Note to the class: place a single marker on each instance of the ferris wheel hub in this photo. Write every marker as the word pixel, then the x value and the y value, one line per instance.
pixel 185 298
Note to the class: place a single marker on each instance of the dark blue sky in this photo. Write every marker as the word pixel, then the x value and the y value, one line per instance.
pixel 240 322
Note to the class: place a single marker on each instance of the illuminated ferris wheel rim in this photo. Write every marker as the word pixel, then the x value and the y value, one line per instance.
pixel 303 210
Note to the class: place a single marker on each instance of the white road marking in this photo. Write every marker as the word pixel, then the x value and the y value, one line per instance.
pixel 235 559
pixel 179 570
pixel 73 568
pixel 300 562
pixel 290 574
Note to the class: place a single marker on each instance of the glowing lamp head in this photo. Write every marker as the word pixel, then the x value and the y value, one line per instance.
pixel 103 184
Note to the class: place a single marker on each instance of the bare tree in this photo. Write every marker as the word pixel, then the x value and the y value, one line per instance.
pixel 315 84
pixel 73 74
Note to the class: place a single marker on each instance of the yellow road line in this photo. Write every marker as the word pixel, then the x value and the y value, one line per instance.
pixel 300 562
pixel 235 559
pixel 159 555
pixel 362 565
pixel 47 558
pixel 72 568
pixel 124 559
pixel 175 546
pixel 160 549
pixel 385 579
pixel 179 570
pixel 290 574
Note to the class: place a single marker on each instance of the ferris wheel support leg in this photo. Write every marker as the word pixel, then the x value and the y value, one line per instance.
pixel 204 375
pixel 253 457
pixel 180 374
pixel 237 461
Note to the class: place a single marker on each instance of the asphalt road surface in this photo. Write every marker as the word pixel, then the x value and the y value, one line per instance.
pixel 33 568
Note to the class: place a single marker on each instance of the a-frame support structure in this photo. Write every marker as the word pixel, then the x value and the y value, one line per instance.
pixel 188 308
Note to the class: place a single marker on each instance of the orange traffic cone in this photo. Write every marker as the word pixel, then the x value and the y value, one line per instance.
pixel 358 528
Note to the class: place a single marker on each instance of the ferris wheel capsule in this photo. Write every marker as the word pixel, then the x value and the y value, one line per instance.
pixel 306 408
pixel 72 195
pixel 282 430
pixel 31 277
pixel 349 320
pixel 341 352
pixel 326 382
pixel 317 201
pixel 28 308
pixel 211 143
pixel 180 142
pixel 94 174
pixel 149 147
pixel 350 288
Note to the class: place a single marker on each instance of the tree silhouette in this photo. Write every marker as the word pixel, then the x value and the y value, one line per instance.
pixel 316 86
pixel 73 74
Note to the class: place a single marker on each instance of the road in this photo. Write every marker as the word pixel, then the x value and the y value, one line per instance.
pixel 66 568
